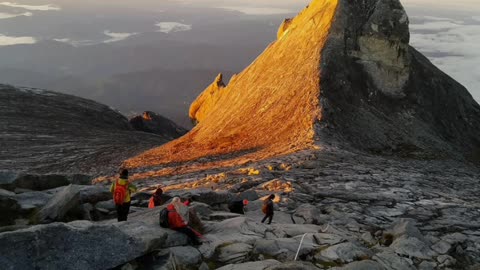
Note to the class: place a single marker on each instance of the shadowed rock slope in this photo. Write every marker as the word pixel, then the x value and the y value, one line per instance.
pixel 340 74
pixel 47 132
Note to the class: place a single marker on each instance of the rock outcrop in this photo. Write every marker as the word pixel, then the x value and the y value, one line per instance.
pixel 154 123
pixel 341 74
pixel 46 132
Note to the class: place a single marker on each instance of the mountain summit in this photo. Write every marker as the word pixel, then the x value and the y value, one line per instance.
pixel 340 74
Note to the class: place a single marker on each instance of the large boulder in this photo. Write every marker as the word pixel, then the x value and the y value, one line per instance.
pixel 59 205
pixel 83 245
pixel 8 207
pixel 235 230
pixel 261 265
pixel 7 180
pixel 283 249
pixel 234 253
pixel 204 195
pixel 346 252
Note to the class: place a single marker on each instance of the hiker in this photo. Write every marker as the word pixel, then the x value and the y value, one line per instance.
pixel 238 206
pixel 178 220
pixel 267 208
pixel 156 199
pixel 187 202
pixel 122 190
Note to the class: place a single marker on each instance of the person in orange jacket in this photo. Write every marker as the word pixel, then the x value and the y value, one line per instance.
pixel 178 219
pixel 156 199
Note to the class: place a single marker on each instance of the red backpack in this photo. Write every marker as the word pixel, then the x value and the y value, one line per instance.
pixel 120 193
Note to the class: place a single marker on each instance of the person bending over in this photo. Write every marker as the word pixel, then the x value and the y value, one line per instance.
pixel 178 220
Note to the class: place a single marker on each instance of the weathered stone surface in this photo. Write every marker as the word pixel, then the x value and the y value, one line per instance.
pixel 361 265
pixel 234 253
pixel 391 261
pixel 293 266
pixel 249 195
pixel 413 247
pixel 46 132
pixel 59 205
pixel 204 195
pixel 154 123
pixel 94 194
pixel 235 230
pixel 283 249
pixel 186 257
pixel 262 265
pixel 7 180
pixel 405 227
pixel 81 245
pixel 8 207
pixel 346 252
pixel 442 247
pixel 41 182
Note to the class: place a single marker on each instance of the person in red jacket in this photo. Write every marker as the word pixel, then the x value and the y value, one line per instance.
pixel 178 219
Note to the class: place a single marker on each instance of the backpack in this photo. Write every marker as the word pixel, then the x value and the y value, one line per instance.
pixel 151 203
pixel 163 220
pixel 120 193
pixel 264 207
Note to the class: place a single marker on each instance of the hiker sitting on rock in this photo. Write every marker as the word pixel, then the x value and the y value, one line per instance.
pixel 178 220
pixel 156 199
pixel 238 206
pixel 267 209
pixel 122 190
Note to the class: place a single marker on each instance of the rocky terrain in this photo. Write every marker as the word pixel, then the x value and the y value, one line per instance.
pixel 153 123
pixel 44 132
pixel 357 211
pixel 371 151
pixel 340 74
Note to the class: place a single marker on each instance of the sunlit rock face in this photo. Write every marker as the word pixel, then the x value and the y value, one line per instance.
pixel 340 74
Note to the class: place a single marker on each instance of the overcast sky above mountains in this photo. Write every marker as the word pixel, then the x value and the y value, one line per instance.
pixel 448 32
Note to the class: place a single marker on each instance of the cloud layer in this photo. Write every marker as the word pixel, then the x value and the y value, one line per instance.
pixel 453 46
pixel 114 37
pixel 11 15
pixel 170 27
pixel 259 10
pixel 30 7
pixel 8 40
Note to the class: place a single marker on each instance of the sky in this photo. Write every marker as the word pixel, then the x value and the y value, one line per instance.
pixel 446 31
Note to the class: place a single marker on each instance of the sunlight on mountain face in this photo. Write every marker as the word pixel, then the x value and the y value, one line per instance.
pixel 170 27
pixel 10 15
pixel 31 7
pixel 7 40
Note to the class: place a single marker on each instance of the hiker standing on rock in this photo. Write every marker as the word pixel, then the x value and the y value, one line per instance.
pixel 178 220
pixel 267 209
pixel 122 190
pixel 156 199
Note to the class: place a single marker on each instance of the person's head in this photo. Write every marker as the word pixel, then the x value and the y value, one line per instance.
pixel 245 202
pixel 176 200
pixel 271 197
pixel 124 173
